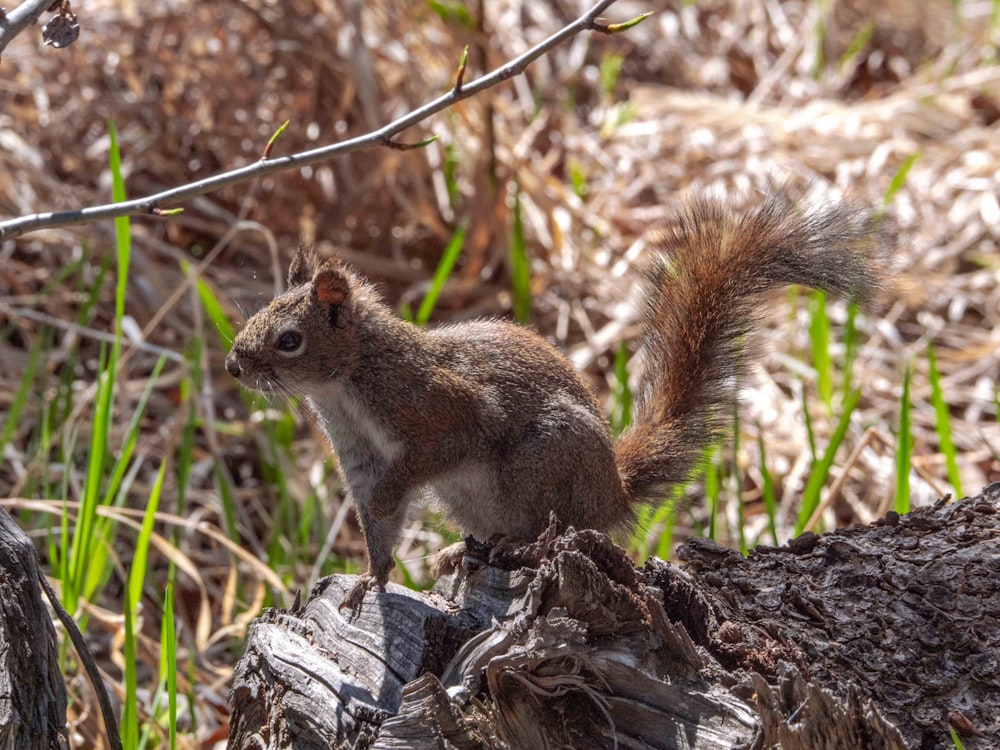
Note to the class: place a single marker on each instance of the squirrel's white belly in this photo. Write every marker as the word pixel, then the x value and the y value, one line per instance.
pixel 350 426
pixel 469 494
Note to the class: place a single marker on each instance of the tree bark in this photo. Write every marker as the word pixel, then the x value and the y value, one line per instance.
pixel 32 690
pixel 875 637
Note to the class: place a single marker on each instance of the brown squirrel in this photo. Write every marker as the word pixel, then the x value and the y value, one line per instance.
pixel 494 421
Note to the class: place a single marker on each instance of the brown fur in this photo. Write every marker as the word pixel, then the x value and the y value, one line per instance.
pixel 494 422
pixel 703 299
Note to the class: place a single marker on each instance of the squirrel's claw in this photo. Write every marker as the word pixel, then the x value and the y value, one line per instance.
pixel 356 594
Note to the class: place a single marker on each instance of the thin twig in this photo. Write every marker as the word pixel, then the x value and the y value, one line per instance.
pixel 381 137
pixel 23 16
pixel 91 333
pixel 110 723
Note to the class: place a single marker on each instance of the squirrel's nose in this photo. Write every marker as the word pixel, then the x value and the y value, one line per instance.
pixel 233 364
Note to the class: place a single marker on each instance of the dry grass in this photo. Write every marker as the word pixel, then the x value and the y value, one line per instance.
pixel 724 96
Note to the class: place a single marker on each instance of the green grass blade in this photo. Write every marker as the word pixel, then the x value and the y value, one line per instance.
pixel 116 488
pixel 609 72
pixel 445 266
pixel 228 503
pixel 24 388
pixel 408 580
pixel 899 179
pixel 666 515
pixel 66 394
pixel 857 44
pixel 406 311
pixel 213 309
pixel 70 591
pixel 821 468
pixel 852 342
pixel 578 179
pixel 281 518
pixel 130 709
pixel 123 233
pixel 649 519
pixel 942 419
pixel 453 12
pixel 132 433
pixel 310 518
pixel 123 240
pixel 192 696
pixel 137 575
pixel 996 397
pixel 621 394
pixel 520 266
pixel 184 455
pixel 712 490
pixel 93 292
pixel 810 432
pixel 60 276
pixel 819 341
pixel 741 536
pixel 904 449
pixel 768 494
pixel 168 647
pixel 450 169
pixel 820 46
pixel 98 567
pixel 638 542
pixel 44 447
pixel 992 38
pixel 83 535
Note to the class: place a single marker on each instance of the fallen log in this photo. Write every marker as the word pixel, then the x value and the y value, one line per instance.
pixel 885 636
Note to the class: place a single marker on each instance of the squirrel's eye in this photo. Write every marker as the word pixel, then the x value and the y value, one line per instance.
pixel 289 341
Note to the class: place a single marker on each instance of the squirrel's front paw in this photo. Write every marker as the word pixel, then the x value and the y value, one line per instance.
pixel 356 594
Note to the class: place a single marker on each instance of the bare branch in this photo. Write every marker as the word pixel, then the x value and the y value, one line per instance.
pixel 153 204
pixel 23 16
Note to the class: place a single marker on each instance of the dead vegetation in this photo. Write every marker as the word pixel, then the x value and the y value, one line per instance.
pixel 724 96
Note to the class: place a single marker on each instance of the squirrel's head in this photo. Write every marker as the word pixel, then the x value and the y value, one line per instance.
pixel 305 337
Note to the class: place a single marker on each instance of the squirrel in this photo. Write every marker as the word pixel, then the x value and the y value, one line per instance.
pixel 493 421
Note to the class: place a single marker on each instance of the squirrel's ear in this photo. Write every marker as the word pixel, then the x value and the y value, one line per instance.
pixel 330 285
pixel 302 266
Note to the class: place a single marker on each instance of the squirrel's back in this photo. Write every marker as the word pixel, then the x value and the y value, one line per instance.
pixel 702 299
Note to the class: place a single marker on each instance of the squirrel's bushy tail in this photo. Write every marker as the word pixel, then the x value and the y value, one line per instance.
pixel 702 299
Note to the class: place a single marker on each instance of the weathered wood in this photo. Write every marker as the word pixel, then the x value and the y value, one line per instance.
pixel 871 637
pixel 32 690
pixel 904 611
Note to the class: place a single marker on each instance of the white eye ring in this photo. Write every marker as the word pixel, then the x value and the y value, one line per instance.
pixel 290 343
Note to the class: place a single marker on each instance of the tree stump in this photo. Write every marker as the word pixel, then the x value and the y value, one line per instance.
pixel 32 690
pixel 875 637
